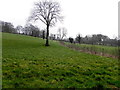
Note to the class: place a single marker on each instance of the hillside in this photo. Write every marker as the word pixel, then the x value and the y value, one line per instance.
pixel 27 63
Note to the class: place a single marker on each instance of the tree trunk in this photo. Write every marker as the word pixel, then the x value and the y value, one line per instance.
pixel 47 35
pixel 43 34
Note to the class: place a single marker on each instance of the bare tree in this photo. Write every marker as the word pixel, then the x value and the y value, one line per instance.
pixel 78 38
pixel 47 12
pixel 62 32
pixel 19 29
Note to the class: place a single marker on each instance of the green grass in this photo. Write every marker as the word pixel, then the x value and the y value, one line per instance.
pixel 27 63
pixel 98 48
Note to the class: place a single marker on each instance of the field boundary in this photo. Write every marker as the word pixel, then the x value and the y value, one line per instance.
pixel 76 48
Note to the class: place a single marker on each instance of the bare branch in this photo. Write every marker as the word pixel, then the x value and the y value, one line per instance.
pixel 48 12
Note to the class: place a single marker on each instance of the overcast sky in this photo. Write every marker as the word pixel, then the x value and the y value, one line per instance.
pixel 80 16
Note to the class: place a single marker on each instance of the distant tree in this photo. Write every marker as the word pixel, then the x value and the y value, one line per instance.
pixel 43 34
pixel 19 29
pixel 8 27
pixel 86 39
pixel 35 30
pixel 99 38
pixel 27 30
pixel 52 36
pixel 47 12
pixel 62 32
pixel 71 40
pixel 31 30
pixel 78 38
pixel 59 34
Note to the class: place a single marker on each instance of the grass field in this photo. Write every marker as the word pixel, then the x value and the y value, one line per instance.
pixel 27 63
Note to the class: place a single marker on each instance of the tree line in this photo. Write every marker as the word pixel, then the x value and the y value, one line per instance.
pixel 28 29
pixel 95 39
pixel 31 30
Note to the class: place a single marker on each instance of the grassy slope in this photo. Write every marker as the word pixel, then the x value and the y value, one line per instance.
pixel 28 63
